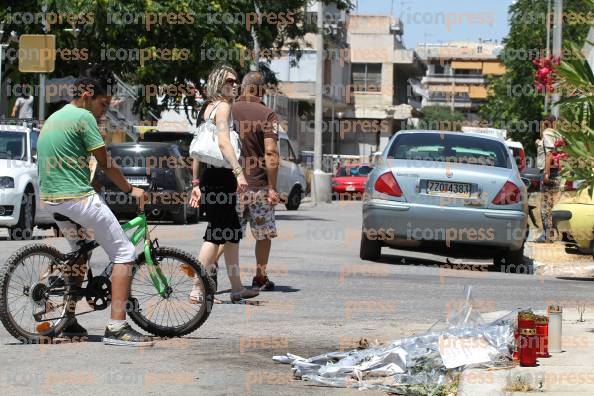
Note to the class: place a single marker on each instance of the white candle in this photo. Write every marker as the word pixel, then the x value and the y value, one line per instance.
pixel 555 328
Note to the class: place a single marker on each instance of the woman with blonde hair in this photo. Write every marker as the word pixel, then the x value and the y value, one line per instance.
pixel 217 190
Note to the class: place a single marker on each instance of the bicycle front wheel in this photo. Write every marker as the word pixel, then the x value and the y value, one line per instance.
pixel 175 314
pixel 34 299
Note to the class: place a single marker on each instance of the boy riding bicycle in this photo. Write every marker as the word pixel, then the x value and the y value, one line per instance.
pixel 68 138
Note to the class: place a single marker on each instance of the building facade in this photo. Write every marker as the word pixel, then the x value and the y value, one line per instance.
pixel 366 84
pixel 458 74
pixel 381 100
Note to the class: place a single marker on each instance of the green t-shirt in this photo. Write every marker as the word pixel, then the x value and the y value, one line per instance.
pixel 66 139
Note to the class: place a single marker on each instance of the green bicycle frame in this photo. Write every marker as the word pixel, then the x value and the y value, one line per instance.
pixel 158 279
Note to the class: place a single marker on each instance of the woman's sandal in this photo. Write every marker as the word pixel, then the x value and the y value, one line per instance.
pixel 196 293
pixel 244 294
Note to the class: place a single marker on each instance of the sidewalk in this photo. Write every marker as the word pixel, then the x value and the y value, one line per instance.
pixel 570 372
pixel 557 260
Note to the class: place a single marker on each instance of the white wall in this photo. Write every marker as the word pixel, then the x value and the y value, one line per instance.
pixel 304 71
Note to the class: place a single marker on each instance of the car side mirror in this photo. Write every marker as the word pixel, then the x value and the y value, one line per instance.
pixel 34 158
pixel 526 182
pixel 299 159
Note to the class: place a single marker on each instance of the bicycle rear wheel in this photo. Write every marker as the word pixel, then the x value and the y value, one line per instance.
pixel 34 299
pixel 174 315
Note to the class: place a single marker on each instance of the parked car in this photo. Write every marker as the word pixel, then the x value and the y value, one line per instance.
pixel 517 149
pixel 291 182
pixel 20 209
pixel 181 139
pixel 473 205
pixel 350 179
pixel 573 218
pixel 152 166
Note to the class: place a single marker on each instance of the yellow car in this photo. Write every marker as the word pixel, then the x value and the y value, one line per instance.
pixel 573 218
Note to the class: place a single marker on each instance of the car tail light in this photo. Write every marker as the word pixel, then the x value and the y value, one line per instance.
pixel 387 184
pixel 509 194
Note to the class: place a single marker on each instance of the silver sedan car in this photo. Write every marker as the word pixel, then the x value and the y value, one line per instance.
pixel 450 193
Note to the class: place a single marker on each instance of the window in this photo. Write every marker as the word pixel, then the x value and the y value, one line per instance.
pixel 34 136
pixel 363 170
pixel 438 69
pixel 286 151
pixel 451 148
pixel 367 77
pixel 12 145
pixel 467 72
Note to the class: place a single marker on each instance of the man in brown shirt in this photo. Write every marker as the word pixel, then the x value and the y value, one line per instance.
pixel 258 130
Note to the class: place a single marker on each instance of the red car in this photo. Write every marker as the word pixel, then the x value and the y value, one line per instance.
pixel 351 179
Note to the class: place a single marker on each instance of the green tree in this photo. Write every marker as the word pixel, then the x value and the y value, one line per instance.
pixel 216 31
pixel 441 118
pixel 514 103
pixel 576 124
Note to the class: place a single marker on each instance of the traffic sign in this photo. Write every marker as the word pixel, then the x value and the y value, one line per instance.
pixel 37 53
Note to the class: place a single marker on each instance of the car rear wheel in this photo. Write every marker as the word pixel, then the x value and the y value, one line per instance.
pixel 370 250
pixel 511 261
pixel 23 229
pixel 294 199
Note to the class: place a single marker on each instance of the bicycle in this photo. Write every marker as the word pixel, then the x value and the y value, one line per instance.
pixel 51 294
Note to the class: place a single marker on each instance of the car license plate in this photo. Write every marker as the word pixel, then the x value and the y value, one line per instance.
pixel 138 180
pixel 439 188
pixel 350 188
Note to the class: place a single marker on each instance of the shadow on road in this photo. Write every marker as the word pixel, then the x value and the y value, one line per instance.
pixel 277 288
pixel 582 278
pixel 575 250
pixel 284 289
pixel 469 265
pixel 282 216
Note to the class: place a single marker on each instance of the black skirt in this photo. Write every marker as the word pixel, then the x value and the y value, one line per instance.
pixel 219 205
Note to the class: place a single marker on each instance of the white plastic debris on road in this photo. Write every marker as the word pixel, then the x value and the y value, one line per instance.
pixel 432 358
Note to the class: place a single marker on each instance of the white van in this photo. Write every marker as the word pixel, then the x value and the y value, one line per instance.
pixel 19 182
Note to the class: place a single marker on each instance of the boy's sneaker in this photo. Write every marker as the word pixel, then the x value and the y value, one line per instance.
pixel 73 329
pixel 263 284
pixel 126 336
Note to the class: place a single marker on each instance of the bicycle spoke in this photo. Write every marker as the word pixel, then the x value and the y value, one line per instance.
pixel 30 273
pixel 174 310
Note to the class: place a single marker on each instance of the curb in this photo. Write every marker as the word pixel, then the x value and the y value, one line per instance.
pixel 518 379
pixel 565 373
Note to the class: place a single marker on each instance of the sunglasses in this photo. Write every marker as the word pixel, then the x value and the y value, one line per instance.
pixel 231 81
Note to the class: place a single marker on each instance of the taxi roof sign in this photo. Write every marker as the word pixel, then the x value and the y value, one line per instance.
pixel 37 53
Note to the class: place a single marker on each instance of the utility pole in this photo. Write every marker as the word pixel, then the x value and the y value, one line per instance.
pixel 321 182
pixel 2 46
pixel 557 42
pixel 256 65
pixel 319 89
pixel 44 8
pixel 548 52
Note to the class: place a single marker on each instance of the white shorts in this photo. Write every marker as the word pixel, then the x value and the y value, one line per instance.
pixel 99 224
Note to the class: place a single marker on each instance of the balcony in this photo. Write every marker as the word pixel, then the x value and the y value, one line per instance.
pixel 459 103
pixel 454 78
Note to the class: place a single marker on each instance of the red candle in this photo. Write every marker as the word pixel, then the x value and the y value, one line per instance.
pixel 542 333
pixel 526 320
pixel 527 347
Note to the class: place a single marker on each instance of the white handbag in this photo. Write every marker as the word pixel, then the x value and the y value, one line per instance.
pixel 205 145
